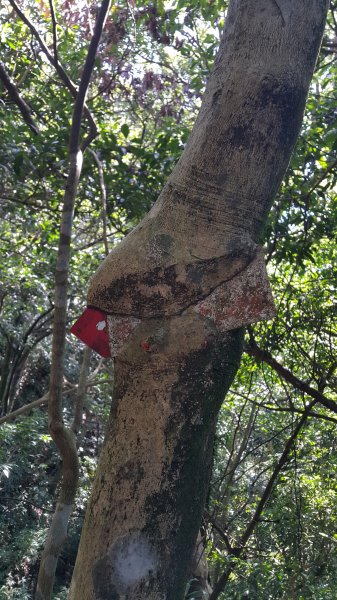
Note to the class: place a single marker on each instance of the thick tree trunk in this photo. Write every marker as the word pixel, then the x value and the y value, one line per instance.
pixel 177 292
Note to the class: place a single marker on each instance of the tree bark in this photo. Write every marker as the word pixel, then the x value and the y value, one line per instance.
pixel 177 292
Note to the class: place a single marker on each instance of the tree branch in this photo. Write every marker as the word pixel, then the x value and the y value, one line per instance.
pixel 238 550
pixel 103 198
pixel 313 414
pixel 15 96
pixel 54 24
pixel 69 84
pixel 69 389
pixel 28 407
pixel 253 350
pixel 84 84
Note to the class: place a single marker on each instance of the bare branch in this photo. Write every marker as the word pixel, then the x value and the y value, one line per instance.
pixel 15 96
pixel 85 80
pixel 54 23
pixel 69 389
pixel 292 409
pixel 28 407
pixel 253 350
pixel 25 501
pixel 238 550
pixel 103 198
pixel 81 389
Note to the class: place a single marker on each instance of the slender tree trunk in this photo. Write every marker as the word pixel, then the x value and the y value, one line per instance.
pixel 5 378
pixel 63 436
pixel 199 586
pixel 178 290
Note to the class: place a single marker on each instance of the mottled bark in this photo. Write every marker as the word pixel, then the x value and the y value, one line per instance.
pixel 177 291
pixel 159 450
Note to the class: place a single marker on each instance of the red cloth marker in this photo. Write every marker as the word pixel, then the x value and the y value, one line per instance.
pixel 92 329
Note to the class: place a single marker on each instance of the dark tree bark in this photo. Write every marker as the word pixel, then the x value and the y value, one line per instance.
pixel 178 291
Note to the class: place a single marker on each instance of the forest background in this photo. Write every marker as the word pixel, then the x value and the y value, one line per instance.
pixel 149 75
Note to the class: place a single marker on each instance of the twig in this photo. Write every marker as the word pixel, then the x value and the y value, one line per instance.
pixel 28 407
pixel 292 410
pixel 238 550
pixel 103 199
pixel 25 501
pixel 69 389
pixel 15 96
pixel 54 24
pixel 57 65
pixel 254 350
pixel 220 531
pixel 84 84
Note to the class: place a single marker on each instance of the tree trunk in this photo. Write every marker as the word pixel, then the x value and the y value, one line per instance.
pixel 177 292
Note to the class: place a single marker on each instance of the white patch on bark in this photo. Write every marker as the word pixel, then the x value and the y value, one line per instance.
pixel 134 560
pixel 129 563
pixel 60 523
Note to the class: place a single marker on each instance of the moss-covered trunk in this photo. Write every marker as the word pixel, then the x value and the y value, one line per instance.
pixel 177 292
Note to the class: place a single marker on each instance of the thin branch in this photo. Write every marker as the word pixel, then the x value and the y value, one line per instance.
pixel 292 410
pixel 253 450
pixel 84 84
pixel 103 199
pixel 36 321
pixel 57 65
pixel 15 96
pixel 25 501
pixel 38 207
pixel 218 529
pixel 238 550
pixel 253 350
pixel 54 24
pixel 319 179
pixel 280 464
pixel 28 407
pixel 81 390
pixel 69 389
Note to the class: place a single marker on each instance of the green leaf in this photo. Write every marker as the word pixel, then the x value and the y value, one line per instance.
pixel 125 129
